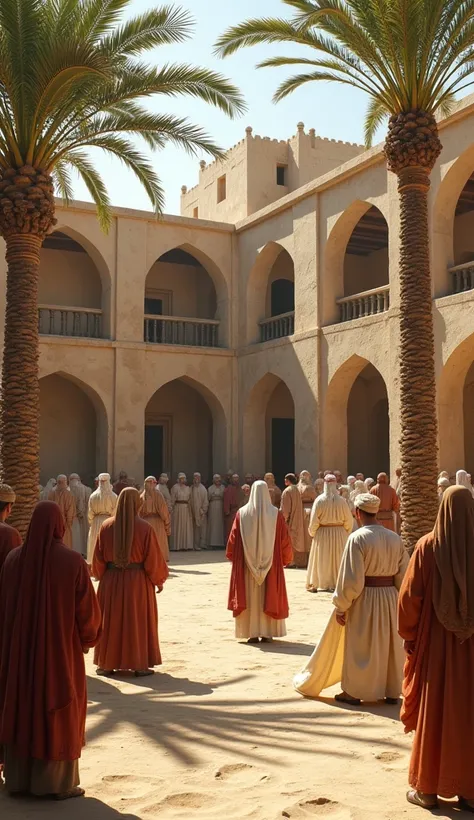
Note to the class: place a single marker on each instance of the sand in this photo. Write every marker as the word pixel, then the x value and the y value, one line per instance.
pixel 219 733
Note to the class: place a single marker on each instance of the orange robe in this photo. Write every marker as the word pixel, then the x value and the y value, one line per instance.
pixel 437 687
pixel 233 501
pixel 293 513
pixel 275 495
pixel 389 504
pixel 128 600
pixel 276 599
pixel 155 510
pixel 9 539
pixel 67 504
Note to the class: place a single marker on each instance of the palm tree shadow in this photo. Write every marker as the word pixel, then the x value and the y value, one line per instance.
pixel 28 808
pixel 380 709
pixel 286 648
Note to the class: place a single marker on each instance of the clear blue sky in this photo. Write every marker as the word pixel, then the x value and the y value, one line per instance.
pixel 334 110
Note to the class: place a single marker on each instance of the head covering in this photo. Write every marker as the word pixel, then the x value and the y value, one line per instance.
pixel 182 475
pixel 444 474
pixel 369 482
pixel 305 478
pixel 330 485
pixel 453 580
pixel 7 494
pixel 368 503
pixel 269 478
pixel 463 479
pixel 359 489
pixel 165 476
pixel 61 483
pixel 319 485
pixel 444 482
pixel 216 477
pixel 350 481
pixel 149 486
pixel 258 521
pixel 105 487
pixel 382 478
pixel 128 506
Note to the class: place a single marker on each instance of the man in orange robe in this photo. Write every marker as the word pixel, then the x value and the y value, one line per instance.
pixel 389 502
pixel 291 506
pixel 62 496
pixel 233 498
pixel 9 536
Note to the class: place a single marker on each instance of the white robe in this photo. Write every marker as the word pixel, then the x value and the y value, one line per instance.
pixel 199 507
pixel 182 536
pixel 80 526
pixel 330 524
pixel 215 517
pixel 101 506
pixel 366 655
pixel 163 489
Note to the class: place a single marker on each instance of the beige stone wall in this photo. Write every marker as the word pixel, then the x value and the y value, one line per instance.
pixel 189 291
pixel 363 273
pixel 69 278
pixel 464 238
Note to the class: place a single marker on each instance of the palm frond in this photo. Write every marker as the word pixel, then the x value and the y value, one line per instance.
pixel 157 27
pixel 375 115
pixel 93 181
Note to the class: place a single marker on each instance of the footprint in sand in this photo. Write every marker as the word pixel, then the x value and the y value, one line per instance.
pixel 243 773
pixel 131 786
pixel 317 807
pixel 185 800
pixel 394 761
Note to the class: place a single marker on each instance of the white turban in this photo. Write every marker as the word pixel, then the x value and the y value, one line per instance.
pixel 368 503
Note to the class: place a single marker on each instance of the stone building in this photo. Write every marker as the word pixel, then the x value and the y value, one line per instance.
pixel 259 329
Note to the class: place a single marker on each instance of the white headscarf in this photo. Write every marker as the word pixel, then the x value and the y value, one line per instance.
pixel 258 521
pixel 360 488
pixel 463 479
pixel 105 487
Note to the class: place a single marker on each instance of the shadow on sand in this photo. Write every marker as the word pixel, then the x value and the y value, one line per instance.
pixel 83 808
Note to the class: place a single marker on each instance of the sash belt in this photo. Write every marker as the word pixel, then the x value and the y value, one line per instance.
pixel 379 581
pixel 111 565
pixel 181 502
pixel 331 525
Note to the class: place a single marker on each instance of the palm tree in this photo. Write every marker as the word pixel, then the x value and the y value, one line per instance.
pixel 71 78
pixel 410 57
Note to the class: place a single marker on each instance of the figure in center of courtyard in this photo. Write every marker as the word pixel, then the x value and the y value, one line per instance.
pixel 331 523
pixel 389 502
pixel 182 522
pixel 164 490
pixel 199 506
pixel 233 497
pixel 102 504
pixel 293 513
pixel 308 496
pixel 273 489
pixel 215 516
pixel 62 496
pixel 154 509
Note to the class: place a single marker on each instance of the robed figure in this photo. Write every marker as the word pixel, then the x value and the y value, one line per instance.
pixel 49 616
pixel 259 547
pixel 155 510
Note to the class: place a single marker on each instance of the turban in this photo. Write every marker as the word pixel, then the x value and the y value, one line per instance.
pixel 7 494
pixel 104 477
pixel 444 482
pixel 182 475
pixel 368 503
pixel 329 478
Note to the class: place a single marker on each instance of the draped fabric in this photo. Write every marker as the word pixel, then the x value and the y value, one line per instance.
pixel 124 525
pixel 9 539
pixel 258 520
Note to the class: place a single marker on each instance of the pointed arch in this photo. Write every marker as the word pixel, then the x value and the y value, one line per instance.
pixel 274 262
pixel 269 404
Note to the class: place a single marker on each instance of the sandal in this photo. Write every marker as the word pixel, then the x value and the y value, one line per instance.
pixel 77 792
pixel 466 805
pixel 105 673
pixel 266 640
pixel 252 640
pixel 143 673
pixel 343 697
pixel 424 801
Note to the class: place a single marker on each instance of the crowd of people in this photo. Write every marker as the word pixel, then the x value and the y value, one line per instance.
pixel 399 625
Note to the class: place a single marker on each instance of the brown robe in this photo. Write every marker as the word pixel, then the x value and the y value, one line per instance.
pixel 293 513
pixel 233 501
pixel 437 687
pixel 389 504
pixel 155 510
pixel 128 600
pixel 67 504
pixel 275 495
pixel 9 539
pixel 308 496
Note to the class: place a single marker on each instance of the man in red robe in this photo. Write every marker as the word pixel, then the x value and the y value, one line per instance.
pixel 233 497
pixel 389 502
pixel 9 536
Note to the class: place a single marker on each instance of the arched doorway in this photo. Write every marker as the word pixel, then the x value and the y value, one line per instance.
pixel 368 424
pixel 73 429
pixel 269 428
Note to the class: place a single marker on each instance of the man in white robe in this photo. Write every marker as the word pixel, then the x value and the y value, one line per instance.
pixel 330 524
pixel 361 647
pixel 199 506
pixel 79 526
pixel 164 489
pixel 102 504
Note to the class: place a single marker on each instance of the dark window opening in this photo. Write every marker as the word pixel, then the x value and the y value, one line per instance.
pixel 281 174
pixel 283 448
pixel 154 438
pixel 283 297
pixel 153 307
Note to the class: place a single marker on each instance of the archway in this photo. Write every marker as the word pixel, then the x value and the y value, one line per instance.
pixel 455 395
pixel 366 256
pixel 269 428
pixel 271 295
pixel 73 429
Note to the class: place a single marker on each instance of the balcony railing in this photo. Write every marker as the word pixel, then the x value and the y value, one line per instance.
pixel 277 327
pixel 368 303
pixel 176 330
pixel 69 321
pixel 462 277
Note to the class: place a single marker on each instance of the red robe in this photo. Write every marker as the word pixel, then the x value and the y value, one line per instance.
pixel 389 504
pixel 276 599
pixel 233 498
pixel 128 600
pixel 9 539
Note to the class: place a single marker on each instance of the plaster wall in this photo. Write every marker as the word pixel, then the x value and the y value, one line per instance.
pixel 189 290
pixel 464 238
pixel 68 278
pixel 363 273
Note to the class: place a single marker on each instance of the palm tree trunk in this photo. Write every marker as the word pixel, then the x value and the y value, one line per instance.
pixel 19 412
pixel 418 443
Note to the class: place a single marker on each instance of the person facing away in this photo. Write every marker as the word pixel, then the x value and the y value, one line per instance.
pixel 62 496
pixel 443 485
pixel 47 490
pixel 273 489
pixel 436 621
pixel 259 547
pixel 199 507
pixel 102 504
pixel 330 524
pixel 9 536
pixel 129 565
pixel 154 509
pixel 79 525
pixel 309 495
pixel 463 479
pixel 233 497
pixel 291 507
pixel 215 515
pixel 182 519
pixel 122 482
pixel 389 502
pixel 163 482
pixel 366 657
pixel 49 617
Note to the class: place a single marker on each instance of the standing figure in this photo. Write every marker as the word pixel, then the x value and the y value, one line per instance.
pixel 49 616
pixel 351 480
pixel 246 488
pixel 389 502
pixel 369 483
pixel 62 496
pixel 79 525
pixel 339 478
pixel 163 488
pixel 9 536
pixel 182 521
pixel 259 547
pixel 46 491
pixel 233 498
pixel 129 565
pixel 275 492
pixel 199 506
pixel 215 515
pixel 330 524
pixel 319 486
pixel 366 656
pixel 308 496
pixel 122 482
pixel 154 509
pixel 249 479
pixel 436 621
pixel 102 504
pixel 463 479
pixel 293 513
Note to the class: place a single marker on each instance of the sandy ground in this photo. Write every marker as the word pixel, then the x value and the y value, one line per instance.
pixel 219 733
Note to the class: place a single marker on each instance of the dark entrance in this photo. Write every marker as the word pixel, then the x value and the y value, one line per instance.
pixel 283 448
pixel 282 297
pixel 154 436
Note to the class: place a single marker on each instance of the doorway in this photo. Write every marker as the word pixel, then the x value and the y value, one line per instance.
pixel 283 448
pixel 154 446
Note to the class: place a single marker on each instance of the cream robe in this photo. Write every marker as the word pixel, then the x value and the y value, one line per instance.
pixel 154 509
pixel 199 507
pixel 79 525
pixel 330 524
pixel 182 536
pixel 366 655
pixel 215 516
pixel 163 489
pixel 101 506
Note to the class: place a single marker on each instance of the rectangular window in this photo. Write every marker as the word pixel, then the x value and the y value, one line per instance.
pixel 221 188
pixel 153 307
pixel 195 213
pixel 281 174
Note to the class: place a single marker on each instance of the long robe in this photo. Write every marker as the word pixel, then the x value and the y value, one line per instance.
pixel 308 496
pixel 275 495
pixel 128 600
pixel 292 509
pixel 233 501
pixel 437 688
pixel 9 539
pixel 101 506
pixel 163 489
pixel 182 533
pixel 366 655
pixel 330 524
pixel 155 510
pixel 215 516
pixel 199 507
pixel 389 505
pixel 66 503
pixel 79 525
pixel 259 610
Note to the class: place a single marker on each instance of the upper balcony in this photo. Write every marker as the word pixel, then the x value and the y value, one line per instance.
pixel 271 295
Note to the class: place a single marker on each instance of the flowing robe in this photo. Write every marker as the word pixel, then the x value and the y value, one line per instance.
pixel 293 513
pixel 366 655
pixel 101 506
pixel 155 510
pixel 182 521
pixel 260 611
pixel 215 516
pixel 128 600
pixel 163 489
pixel 199 507
pixel 389 505
pixel 330 524
pixel 233 501
pixel 275 495
pixel 79 525
pixel 437 688
pixel 66 503
pixel 308 496
pixel 9 539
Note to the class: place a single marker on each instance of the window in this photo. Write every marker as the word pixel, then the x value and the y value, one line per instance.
pixel 195 213
pixel 281 174
pixel 221 188
pixel 153 307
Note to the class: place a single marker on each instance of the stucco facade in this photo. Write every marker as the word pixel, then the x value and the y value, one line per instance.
pixel 265 336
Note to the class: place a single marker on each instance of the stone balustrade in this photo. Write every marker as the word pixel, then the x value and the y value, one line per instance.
pixel 54 320
pixel 176 330
pixel 462 277
pixel 368 303
pixel 277 327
